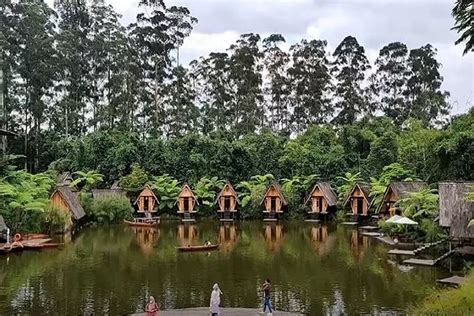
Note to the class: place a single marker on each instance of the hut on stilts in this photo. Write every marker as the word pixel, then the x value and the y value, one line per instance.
pixel 187 203
pixel 394 192
pixel 67 201
pixel 227 202
pixel 359 203
pixel 273 203
pixel 147 202
pixel 322 201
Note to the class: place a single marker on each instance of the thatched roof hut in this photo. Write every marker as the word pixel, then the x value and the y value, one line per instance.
pixel 227 198
pixel 321 198
pixel 66 200
pixel 455 211
pixel 186 200
pixel 108 193
pixel 359 200
pixel 273 200
pixel 65 179
pixel 147 200
pixel 395 191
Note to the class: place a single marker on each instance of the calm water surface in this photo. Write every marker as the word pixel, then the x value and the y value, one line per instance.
pixel 315 269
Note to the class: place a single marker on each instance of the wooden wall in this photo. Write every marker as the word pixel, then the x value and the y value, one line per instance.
pixel 58 201
pixel 315 197
pixel 357 195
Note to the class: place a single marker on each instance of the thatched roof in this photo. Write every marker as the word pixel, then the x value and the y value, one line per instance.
pixel 278 189
pixel 3 226
pixel 229 185
pixel 186 186
pixel 108 193
pixel 402 190
pixel 115 186
pixel 72 201
pixel 327 191
pixel 147 188
pixel 455 211
pixel 64 179
pixel 363 188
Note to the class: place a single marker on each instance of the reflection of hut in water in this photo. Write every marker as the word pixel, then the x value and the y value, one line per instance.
pixel 147 202
pixel 187 235
pixel 186 204
pixel 227 201
pixel 320 239
pixel 273 234
pixel 359 244
pixel 322 201
pixel 227 237
pixel 393 193
pixel 359 202
pixel 146 238
pixel 67 201
pixel 273 203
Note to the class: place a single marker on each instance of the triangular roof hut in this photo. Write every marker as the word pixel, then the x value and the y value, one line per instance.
pixel 65 179
pixel 321 198
pixel 66 200
pixel 227 198
pixel 395 191
pixel 146 200
pixel 359 199
pixel 455 211
pixel 273 199
pixel 186 199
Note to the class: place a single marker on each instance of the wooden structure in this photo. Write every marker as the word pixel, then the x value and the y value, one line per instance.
pixel 393 193
pixel 67 201
pixel 147 201
pixel 65 179
pixel 227 202
pixel 322 200
pixel 455 211
pixel 187 203
pixel 273 202
pixel 3 229
pixel 99 194
pixel 359 201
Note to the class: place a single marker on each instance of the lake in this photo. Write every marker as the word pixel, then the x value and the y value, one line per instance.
pixel 315 269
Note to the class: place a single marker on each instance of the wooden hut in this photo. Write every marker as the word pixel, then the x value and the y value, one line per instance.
pixel 147 202
pixel 67 201
pixel 455 211
pixel 273 202
pixel 99 194
pixel 393 193
pixel 359 201
pixel 227 202
pixel 65 179
pixel 187 203
pixel 322 200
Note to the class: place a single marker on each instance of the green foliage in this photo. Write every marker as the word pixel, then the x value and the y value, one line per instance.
pixel 295 190
pixel 167 189
pixel 87 180
pixel 346 183
pixel 419 205
pixel 251 193
pixel 431 231
pixel 463 15
pixel 135 181
pixel 55 219
pixel 110 210
pixel 206 190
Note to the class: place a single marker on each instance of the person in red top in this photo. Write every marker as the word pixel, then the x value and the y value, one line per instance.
pixel 152 307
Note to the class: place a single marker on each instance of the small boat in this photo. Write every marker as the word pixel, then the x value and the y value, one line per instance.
pixel 198 248
pixel 142 222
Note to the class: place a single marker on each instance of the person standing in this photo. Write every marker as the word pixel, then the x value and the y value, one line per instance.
pixel 267 287
pixel 152 307
pixel 215 300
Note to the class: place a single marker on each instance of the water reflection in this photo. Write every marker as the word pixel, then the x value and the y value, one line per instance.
pixel 320 239
pixel 359 244
pixel 273 235
pixel 187 235
pixel 146 238
pixel 227 237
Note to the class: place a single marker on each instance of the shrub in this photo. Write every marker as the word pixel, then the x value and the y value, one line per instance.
pixel 54 219
pixel 110 210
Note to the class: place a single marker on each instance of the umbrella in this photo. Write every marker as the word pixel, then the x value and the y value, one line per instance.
pixel 393 219
pixel 405 221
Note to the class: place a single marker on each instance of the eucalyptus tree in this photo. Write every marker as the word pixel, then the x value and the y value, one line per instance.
pixel 311 82
pixel 349 69
pixel 277 88
pixel 246 80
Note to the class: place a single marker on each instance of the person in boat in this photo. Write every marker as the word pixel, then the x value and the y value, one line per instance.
pixel 267 287
pixel 215 300
pixel 152 307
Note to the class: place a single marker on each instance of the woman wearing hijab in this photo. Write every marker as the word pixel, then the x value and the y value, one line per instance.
pixel 152 307
pixel 215 300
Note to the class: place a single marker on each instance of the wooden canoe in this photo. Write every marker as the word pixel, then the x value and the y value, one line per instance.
pixel 198 248
pixel 142 224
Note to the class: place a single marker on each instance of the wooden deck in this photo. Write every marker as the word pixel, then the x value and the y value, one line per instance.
pixel 188 220
pixel 270 219
pixel 204 311
pixel 454 280
pixel 350 223
pixel 420 262
pixel 226 220
pixel 312 220
pixel 368 227
pixel 371 234
pixel 401 252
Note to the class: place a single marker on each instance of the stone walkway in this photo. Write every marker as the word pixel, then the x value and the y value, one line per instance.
pixel 204 311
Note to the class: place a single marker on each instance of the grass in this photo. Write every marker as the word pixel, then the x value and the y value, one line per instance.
pixel 453 301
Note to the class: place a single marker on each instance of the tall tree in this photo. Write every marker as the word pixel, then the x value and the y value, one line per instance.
pixel 463 13
pixel 349 69
pixel 311 81
pixel 389 82
pixel 277 87
pixel 246 78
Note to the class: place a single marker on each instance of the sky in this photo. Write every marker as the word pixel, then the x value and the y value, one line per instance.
pixel 374 23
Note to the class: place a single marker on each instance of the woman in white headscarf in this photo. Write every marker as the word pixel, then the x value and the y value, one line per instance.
pixel 215 300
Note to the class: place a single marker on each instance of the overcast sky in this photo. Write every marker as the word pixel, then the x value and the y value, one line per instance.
pixel 374 23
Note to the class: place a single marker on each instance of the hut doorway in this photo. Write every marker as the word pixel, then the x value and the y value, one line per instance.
pixel 360 206
pixel 227 203
pixel 186 204
pixel 319 203
pixel 273 204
